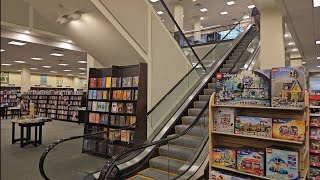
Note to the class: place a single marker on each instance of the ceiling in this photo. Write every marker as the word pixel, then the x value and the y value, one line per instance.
pixel 24 53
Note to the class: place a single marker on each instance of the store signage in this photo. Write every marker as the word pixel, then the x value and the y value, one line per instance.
pixel 59 81
pixel 4 77
pixel 43 79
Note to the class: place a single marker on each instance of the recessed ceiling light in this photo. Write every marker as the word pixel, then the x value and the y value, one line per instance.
pixel 53 71
pixel 246 17
pixel 69 41
pixel 153 1
pixel 56 54
pixel 2 50
pixel 224 13
pixel 82 73
pixel 63 64
pixel 201 26
pixel 82 62
pixel 27 32
pixel 6 64
pixel 34 68
pixel 36 58
pixel 318 66
pixel 21 62
pixel 194 0
pixel 159 12
pixel 67 70
pixel 201 18
pixel 46 66
pixel 82 69
pixel 318 42
pixel 231 3
pixel 294 50
pixel 19 70
pixel 318 58
pixel 316 3
pixel 286 35
pixel 290 43
pixel 203 9
pixel 251 6
pixel 303 62
pixel 69 74
pixel 17 43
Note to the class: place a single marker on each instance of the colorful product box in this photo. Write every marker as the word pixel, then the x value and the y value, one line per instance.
pixel 218 175
pixel 224 119
pixel 246 88
pixel 314 133
pixel 223 156
pixel 253 126
pixel 282 164
pixel 289 129
pixel 288 85
pixel 251 161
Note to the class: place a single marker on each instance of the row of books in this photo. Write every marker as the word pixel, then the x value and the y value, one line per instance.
pixel 98 106
pixel 122 135
pixel 75 103
pixel 107 82
pixel 98 94
pixel 119 107
pixel 125 94
pixel 9 92
pixel 59 116
pixel 96 146
pixel 49 106
pixel 62 112
pixel 55 92
pixel 75 98
pixel 98 118
pixel 116 120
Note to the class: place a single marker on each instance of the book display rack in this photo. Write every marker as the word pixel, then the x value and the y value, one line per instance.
pixel 9 95
pixel 314 135
pixel 244 141
pixel 117 97
pixel 56 103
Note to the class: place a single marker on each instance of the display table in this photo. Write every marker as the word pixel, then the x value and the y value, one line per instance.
pixel 27 122
pixel 4 111
pixel 15 111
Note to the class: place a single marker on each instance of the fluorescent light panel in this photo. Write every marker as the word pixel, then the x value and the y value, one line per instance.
pixel 27 32
pixel 290 43
pixel 67 70
pixel 303 62
pixel 286 35
pixel 316 3
pixel 82 73
pixel 246 17
pixel 2 50
pixel 82 62
pixel 17 43
pixel 34 68
pixel 318 58
pixel 251 6
pixel 21 62
pixel 46 66
pixel 203 9
pixel 6 64
pixel 201 18
pixel 56 54
pixel 63 64
pixel 230 3
pixel 159 12
pixel 318 42
pixel 82 69
pixel 154 1
pixel 294 50
pixel 36 58
pixel 53 71
pixel 224 13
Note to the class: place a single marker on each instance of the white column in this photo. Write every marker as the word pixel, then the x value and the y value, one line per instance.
pixel 272 38
pixel 178 15
pixel 197 28
pixel 25 78
pixel 296 62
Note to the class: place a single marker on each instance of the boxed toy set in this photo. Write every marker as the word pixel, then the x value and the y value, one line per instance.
pixel 315 160
pixel 222 175
pixel 255 126
pixel 224 156
pixel 314 133
pixel 247 88
pixel 251 160
pixel 224 119
pixel 288 85
pixel 282 164
pixel 289 129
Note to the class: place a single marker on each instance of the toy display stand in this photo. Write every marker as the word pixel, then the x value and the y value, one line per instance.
pixel 238 140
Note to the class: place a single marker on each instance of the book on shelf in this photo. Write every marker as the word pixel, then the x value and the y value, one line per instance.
pixel 94 94
pixel 117 135
pixel 104 82
pixel 131 136
pixel 93 82
pixel 112 120
pixel 97 118
pixel 104 119
pixel 102 106
pixel 114 107
pixel 120 108
pixel 105 95
pixel 122 121
pixel 117 120
pixel 131 120
pixel 129 108
pixel 111 134
pixel 114 82
pixel 124 136
pixel 99 94
pixel 108 82
pixel 124 83
pixel 92 117
pixel 119 80
pixel 135 81
pixel 136 95
pixel 94 105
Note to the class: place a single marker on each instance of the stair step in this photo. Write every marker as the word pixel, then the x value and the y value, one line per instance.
pixel 157 174
pixel 224 70
pixel 204 97
pixel 166 164
pixel 177 152
pixel 199 104
pixel 230 61
pixel 195 131
pixel 212 85
pixel 208 91
pixel 187 141
pixel 227 65
pixel 189 120
pixel 194 111
pixel 139 177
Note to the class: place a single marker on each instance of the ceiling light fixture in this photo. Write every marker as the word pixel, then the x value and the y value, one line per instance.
pixel 230 3
pixel 36 58
pixel 82 69
pixel 69 74
pixel 154 1
pixel 2 50
pixel 62 19
pixel 82 62
pixel 316 3
pixel 201 26
pixel 82 73
pixel 290 43
pixel 318 66
pixel 21 62
pixel 286 35
pixel 246 17
pixel 27 32
pixel 53 71
pixel 224 13
pixel 201 18
pixel 63 64
pixel 46 66
pixel 6 64
pixel 67 70
pixel 34 68
pixel 251 6
pixel 75 15
pixel 19 70
pixel 318 58
pixel 17 43
pixel 294 50
pixel 69 41
pixel 318 42
pixel 203 9
pixel 56 54
pixel 303 62
pixel 159 12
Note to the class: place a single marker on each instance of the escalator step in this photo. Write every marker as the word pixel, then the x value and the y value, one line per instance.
pixel 194 111
pixel 212 85
pixel 199 104
pixel 139 177
pixel 231 61
pixel 208 91
pixel 157 174
pixel 224 70
pixel 177 152
pixel 204 97
pixel 188 120
pixel 198 131
pixel 187 141
pixel 166 164
pixel 227 65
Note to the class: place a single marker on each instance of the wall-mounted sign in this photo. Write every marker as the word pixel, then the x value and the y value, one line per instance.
pixel 43 79
pixel 59 81
pixel 5 77
pixel 82 83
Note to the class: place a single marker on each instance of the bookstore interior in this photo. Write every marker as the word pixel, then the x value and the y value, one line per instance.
pixel 67 116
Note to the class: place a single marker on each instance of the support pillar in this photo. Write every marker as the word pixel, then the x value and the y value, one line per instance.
pixel 197 29
pixel 296 62
pixel 178 15
pixel 272 38
pixel 91 63
pixel 25 77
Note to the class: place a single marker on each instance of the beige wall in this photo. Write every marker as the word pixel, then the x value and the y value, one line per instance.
pixel 15 78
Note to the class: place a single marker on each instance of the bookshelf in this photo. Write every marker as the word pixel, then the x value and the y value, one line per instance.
pixel 235 142
pixel 116 98
pixel 314 134
pixel 9 95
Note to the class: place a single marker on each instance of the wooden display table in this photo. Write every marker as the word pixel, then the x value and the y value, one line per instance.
pixel 29 122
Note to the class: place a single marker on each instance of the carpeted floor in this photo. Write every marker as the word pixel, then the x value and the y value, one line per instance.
pixel 65 162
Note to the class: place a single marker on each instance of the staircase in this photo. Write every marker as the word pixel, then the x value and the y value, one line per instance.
pixel 178 152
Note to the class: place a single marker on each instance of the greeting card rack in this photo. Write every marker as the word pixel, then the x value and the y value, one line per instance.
pixel 117 97
pixel 236 141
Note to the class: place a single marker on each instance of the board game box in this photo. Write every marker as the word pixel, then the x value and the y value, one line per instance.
pixel 288 85
pixel 289 129
pixel 224 119
pixel 251 160
pixel 246 88
pixel 224 156
pixel 282 164
pixel 254 126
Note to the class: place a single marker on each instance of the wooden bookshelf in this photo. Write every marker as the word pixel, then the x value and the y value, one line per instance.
pixel 9 95
pixel 117 97
pixel 236 141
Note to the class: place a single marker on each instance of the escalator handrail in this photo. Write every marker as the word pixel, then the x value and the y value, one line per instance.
pixel 54 144
pixel 109 166
pixel 234 64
